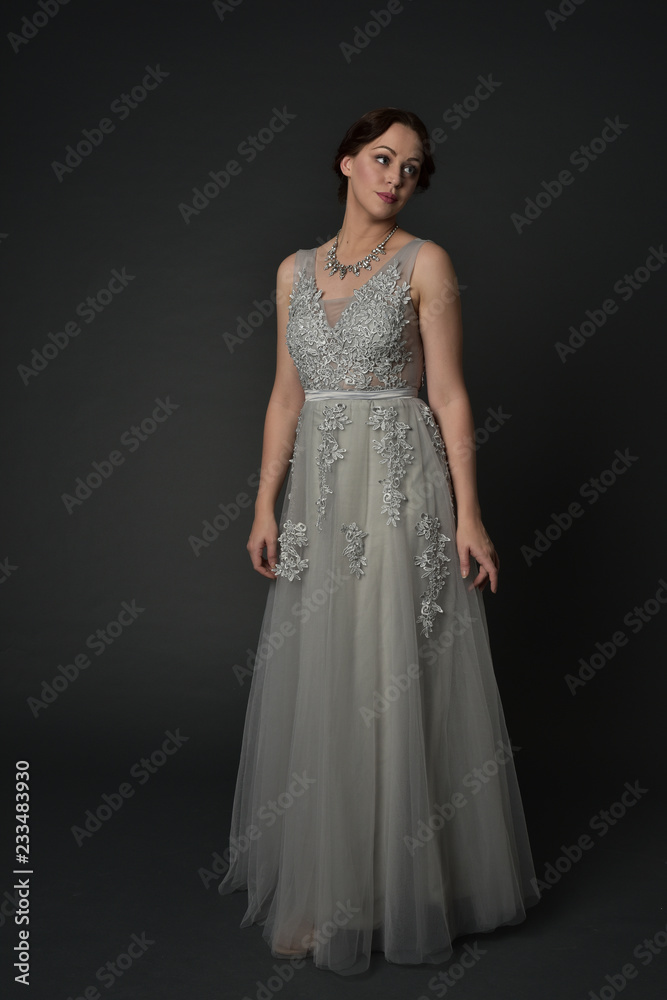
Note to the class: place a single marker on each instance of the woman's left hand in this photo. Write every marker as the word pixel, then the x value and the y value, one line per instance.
pixel 472 539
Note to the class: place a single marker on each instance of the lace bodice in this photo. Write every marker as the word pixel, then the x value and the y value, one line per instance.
pixel 368 340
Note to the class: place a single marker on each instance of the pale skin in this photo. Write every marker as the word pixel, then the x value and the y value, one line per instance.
pixel 390 164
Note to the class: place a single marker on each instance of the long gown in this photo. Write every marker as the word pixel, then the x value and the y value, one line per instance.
pixel 377 804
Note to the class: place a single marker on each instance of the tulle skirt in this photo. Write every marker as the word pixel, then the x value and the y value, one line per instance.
pixel 377 805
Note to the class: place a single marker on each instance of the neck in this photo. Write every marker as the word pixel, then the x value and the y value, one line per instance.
pixel 358 240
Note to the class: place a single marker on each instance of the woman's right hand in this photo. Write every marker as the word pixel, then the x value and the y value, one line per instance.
pixel 264 532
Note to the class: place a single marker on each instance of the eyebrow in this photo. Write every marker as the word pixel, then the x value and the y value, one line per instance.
pixel 394 152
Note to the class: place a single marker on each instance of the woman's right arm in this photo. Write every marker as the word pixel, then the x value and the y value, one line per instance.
pixel 282 414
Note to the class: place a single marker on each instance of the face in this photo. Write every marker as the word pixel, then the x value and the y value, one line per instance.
pixel 389 165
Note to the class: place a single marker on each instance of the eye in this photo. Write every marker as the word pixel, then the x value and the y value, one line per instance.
pixel 409 166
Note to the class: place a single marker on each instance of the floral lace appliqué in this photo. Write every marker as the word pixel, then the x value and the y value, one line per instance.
pixel 432 561
pixel 292 538
pixel 395 452
pixel 354 550
pixel 365 349
pixel 430 421
pixel 333 418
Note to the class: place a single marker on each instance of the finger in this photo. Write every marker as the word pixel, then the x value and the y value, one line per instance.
pixel 489 564
pixel 258 562
pixel 464 560
pixel 255 553
pixel 272 557
pixel 480 580
pixel 493 568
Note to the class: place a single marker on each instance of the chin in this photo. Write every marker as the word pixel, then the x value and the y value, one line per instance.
pixel 391 206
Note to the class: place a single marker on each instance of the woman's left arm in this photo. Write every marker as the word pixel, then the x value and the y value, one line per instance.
pixel 439 310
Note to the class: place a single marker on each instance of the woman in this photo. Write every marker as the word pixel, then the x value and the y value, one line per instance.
pixel 377 805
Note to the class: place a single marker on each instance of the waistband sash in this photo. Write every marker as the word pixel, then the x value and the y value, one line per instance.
pixel 409 390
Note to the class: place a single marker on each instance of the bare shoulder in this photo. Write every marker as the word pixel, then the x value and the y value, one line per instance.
pixel 286 268
pixel 433 267
pixel 432 259
pixel 285 278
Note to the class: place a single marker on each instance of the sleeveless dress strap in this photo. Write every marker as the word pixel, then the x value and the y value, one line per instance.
pixel 300 264
pixel 408 255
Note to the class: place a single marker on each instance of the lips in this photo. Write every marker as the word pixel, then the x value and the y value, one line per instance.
pixel 388 198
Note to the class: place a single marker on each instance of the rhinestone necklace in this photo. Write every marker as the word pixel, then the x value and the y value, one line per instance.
pixel 335 265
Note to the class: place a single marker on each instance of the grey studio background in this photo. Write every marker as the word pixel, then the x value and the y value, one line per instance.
pixel 139 334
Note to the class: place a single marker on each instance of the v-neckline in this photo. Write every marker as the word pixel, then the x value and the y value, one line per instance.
pixel 341 298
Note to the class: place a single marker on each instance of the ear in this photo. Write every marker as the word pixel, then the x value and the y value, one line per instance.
pixel 345 165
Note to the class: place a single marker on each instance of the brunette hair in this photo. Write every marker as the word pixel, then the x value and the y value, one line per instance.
pixel 369 127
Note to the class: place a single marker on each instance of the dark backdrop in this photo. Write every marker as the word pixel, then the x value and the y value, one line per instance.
pixel 132 300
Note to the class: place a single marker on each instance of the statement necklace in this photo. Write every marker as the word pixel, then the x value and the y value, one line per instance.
pixel 335 265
